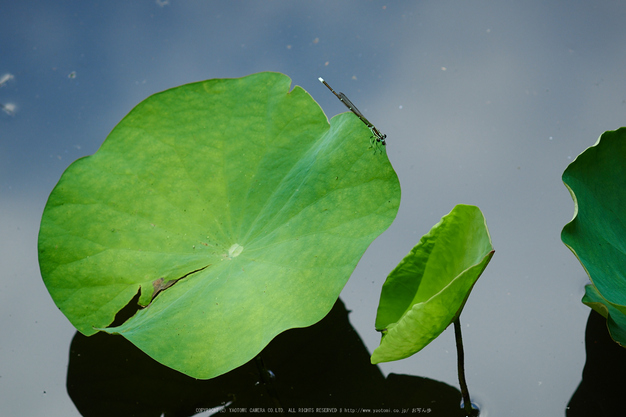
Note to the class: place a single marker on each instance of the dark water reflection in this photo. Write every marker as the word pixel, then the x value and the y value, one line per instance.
pixel 322 366
pixel 601 392
pixel 325 365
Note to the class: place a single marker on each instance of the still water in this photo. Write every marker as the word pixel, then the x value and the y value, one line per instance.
pixel 483 103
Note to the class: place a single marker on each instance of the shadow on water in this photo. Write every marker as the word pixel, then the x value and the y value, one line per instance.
pixel 325 365
pixel 601 391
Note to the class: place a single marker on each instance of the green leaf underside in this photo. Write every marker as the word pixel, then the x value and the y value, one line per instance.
pixel 428 289
pixel 238 193
pixel 615 318
pixel 596 180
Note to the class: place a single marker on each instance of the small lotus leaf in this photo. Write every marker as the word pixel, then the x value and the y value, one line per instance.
pixel 429 287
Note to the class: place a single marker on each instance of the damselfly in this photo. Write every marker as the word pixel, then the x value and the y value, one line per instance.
pixel 377 137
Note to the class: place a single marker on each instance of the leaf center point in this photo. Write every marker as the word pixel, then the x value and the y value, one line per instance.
pixel 235 251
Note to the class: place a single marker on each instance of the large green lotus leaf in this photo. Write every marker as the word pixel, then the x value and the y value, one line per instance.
pixel 233 208
pixel 596 180
pixel 428 289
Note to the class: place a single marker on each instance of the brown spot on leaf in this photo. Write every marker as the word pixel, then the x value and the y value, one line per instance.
pixel 160 284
